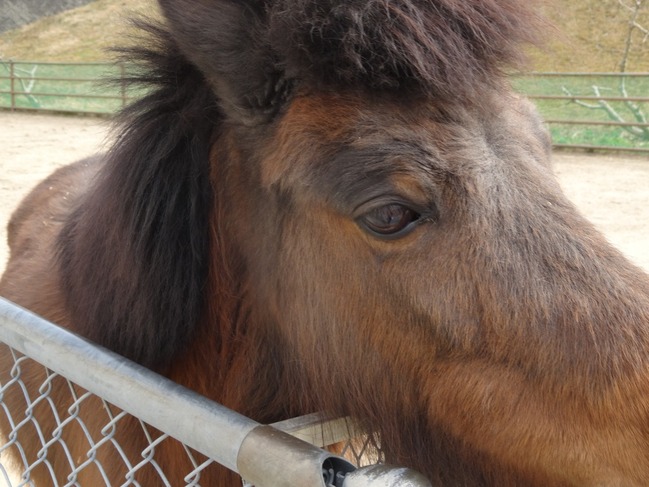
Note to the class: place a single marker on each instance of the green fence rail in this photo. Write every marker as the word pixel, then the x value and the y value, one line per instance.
pixel 583 110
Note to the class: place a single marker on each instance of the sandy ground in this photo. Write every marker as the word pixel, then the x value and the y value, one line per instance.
pixel 613 192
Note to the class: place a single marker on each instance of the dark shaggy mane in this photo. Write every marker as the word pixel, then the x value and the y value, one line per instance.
pixel 447 48
pixel 134 254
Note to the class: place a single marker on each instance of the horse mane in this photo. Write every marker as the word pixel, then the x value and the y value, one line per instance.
pixel 133 255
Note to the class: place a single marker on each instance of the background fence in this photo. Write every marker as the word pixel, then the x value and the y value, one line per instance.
pixel 62 87
pixel 84 408
pixel 583 110
pixel 592 110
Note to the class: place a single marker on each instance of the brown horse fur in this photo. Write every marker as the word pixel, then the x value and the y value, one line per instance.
pixel 342 206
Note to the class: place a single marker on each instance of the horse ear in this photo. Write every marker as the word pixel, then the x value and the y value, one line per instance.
pixel 227 41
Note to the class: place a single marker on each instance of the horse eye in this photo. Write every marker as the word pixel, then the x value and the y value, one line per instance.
pixel 393 220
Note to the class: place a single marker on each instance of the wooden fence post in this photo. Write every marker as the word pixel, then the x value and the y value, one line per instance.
pixel 12 84
pixel 122 74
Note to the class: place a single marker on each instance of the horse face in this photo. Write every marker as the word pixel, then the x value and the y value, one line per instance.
pixel 367 207
pixel 390 216
pixel 431 256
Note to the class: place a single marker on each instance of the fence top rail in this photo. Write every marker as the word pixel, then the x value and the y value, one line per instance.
pixel 584 75
pixel 588 98
pixel 67 95
pixel 124 383
pixel 63 63
pixel 515 74
pixel 45 78
pixel 612 123
pixel 600 148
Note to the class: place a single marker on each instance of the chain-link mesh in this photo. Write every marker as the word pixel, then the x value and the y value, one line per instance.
pixel 41 417
pixel 55 433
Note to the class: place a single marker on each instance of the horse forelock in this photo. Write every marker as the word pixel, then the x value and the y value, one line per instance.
pixel 447 48
pixel 254 51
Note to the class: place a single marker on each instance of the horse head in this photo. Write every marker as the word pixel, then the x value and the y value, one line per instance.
pixel 343 206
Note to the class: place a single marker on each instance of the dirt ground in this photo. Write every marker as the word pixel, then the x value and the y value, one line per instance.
pixel 613 192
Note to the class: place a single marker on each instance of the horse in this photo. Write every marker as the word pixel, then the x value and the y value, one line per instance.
pixel 343 206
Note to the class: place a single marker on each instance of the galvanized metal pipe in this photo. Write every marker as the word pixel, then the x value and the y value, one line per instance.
pixel 385 476
pixel 263 455
pixel 271 458
pixel 204 425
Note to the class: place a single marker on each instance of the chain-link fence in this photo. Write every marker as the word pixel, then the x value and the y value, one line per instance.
pixel 73 414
